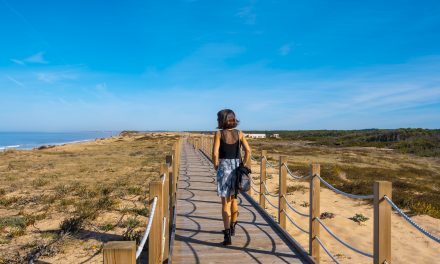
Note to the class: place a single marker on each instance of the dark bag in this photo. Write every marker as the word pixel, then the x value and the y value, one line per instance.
pixel 243 180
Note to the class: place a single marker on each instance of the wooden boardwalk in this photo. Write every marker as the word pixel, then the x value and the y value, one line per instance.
pixel 199 223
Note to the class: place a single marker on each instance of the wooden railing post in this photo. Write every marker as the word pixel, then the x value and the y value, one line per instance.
pixel 206 145
pixel 118 252
pixel 197 143
pixel 155 238
pixel 250 175
pixel 212 146
pixel 262 178
pixel 202 145
pixel 170 161
pixel 176 164
pixel 165 207
pixel 315 184
pixel 282 192
pixel 382 222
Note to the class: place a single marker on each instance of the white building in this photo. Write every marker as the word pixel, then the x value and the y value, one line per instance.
pixel 275 136
pixel 255 135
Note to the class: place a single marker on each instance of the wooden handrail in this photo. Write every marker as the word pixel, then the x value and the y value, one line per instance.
pixel 382 222
pixel 315 171
pixel 282 192
pixel 262 199
pixel 122 252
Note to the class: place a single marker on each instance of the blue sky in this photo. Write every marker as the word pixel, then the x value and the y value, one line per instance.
pixel 148 65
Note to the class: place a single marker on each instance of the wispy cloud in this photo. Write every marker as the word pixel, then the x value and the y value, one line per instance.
pixel 15 81
pixel 47 77
pixel 311 99
pixel 395 95
pixel 248 14
pixel 37 58
pixel 52 76
pixel 19 62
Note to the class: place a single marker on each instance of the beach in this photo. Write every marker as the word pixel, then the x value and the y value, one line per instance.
pixel 30 140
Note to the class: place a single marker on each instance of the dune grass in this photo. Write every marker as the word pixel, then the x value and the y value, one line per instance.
pixel 91 191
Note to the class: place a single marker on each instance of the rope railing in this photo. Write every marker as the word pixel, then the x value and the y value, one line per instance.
pixel 148 228
pixel 293 209
pixel 274 206
pixel 410 221
pixel 293 223
pixel 326 250
pixel 349 195
pixel 268 163
pixel 255 189
pixel 293 175
pixel 254 181
pixel 343 242
pixel 267 191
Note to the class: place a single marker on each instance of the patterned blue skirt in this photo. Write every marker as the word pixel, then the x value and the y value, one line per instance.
pixel 226 175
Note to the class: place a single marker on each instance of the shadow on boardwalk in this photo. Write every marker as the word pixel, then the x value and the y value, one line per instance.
pixel 199 224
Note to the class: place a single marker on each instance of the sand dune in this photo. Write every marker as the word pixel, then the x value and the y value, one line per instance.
pixel 408 244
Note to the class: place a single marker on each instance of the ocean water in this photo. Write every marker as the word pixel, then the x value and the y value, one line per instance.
pixel 30 140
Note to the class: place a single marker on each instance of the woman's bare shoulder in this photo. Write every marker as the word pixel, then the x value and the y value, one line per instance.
pixel 241 134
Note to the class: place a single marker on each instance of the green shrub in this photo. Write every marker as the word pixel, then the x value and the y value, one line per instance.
pixel 72 225
pixel 359 218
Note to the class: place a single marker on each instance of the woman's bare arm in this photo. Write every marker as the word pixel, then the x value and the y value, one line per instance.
pixel 215 149
pixel 247 149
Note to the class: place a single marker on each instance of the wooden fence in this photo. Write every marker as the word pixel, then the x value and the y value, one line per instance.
pixel 382 209
pixel 161 223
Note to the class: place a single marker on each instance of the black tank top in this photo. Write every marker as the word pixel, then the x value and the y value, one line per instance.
pixel 229 151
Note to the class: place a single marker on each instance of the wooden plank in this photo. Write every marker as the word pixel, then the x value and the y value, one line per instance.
pixel 119 252
pixel 176 154
pixel 164 170
pixel 382 222
pixel 262 178
pixel 155 238
pixel 315 170
pixel 172 189
pixel 282 192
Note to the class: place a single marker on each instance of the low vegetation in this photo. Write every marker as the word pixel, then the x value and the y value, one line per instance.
pixel 326 215
pixel 64 202
pixel 359 218
pixel 418 141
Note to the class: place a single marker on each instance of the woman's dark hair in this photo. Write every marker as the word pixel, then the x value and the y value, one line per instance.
pixel 226 119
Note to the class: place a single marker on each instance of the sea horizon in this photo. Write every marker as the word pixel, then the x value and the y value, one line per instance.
pixel 29 140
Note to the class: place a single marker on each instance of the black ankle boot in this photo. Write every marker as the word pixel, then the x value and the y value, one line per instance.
pixel 233 224
pixel 227 239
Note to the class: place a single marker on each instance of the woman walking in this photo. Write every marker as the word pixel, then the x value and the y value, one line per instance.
pixel 226 158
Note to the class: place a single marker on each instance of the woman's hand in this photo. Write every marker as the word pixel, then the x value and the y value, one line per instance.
pixel 216 166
